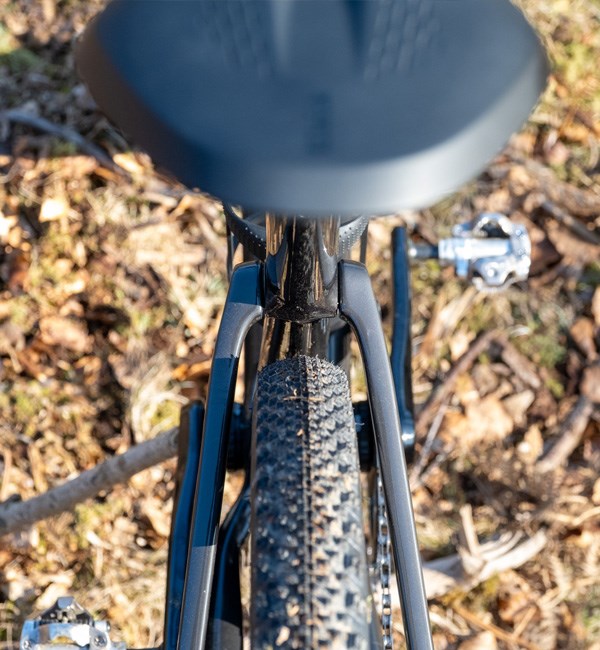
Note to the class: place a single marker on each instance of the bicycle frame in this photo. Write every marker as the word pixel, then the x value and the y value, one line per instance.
pixel 299 292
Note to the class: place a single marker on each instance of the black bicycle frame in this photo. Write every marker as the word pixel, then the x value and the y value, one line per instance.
pixel 299 293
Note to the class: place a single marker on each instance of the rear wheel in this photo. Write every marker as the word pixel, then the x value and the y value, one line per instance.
pixel 310 585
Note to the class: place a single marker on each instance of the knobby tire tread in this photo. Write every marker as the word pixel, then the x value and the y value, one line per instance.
pixel 310 584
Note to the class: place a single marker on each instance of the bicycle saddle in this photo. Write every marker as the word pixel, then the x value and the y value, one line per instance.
pixel 316 106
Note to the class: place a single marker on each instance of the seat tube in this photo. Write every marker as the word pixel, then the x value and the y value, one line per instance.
pixel 301 286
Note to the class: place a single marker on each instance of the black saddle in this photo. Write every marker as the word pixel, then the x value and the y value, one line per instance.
pixel 316 106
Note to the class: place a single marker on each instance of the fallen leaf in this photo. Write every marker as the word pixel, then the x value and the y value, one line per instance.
pixel 189 372
pixel 516 405
pixel 128 162
pixel 53 209
pixel 440 642
pixel 576 132
pixel 12 338
pixel 18 584
pixel 590 384
pixel 512 604
pixel 532 445
pixel 596 492
pixel 6 224
pixel 596 306
pixel 557 154
pixel 460 343
pixel 5 309
pixel 159 519
pixel 485 379
pixel 483 641
pixel 78 166
pixel 488 419
pixel 65 332
pixel 465 389
pixel 483 419
pixel 15 270
pixel 582 332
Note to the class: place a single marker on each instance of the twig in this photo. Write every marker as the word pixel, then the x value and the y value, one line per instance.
pixel 15 516
pixel 417 470
pixel 575 200
pixel 464 571
pixel 519 364
pixel 443 390
pixel 66 133
pixel 469 540
pixel 569 436
pixel 7 454
pixel 565 219
pixel 498 632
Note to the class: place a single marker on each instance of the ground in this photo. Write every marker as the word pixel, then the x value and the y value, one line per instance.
pixel 110 290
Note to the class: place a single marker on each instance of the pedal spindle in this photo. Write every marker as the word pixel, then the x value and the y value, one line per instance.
pixel 67 626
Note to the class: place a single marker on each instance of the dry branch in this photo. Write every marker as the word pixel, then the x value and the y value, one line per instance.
pixel 523 368
pixel 569 437
pixel 65 133
pixel 498 632
pixel 15 516
pixel 577 201
pixel 475 563
pixel 443 390
pixel 566 220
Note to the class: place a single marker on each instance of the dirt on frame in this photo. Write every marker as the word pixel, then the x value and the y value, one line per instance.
pixel 111 287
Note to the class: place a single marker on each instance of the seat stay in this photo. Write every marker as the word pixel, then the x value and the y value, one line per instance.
pixel 359 307
pixel 243 308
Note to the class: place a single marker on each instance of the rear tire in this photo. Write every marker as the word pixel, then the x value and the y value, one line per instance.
pixel 310 585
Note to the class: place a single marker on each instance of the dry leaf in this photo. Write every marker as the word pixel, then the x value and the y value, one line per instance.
pixel 460 343
pixel 12 338
pixel 18 585
pixel 590 384
pixel 192 371
pixel 78 166
pixel 532 445
pixel 488 419
pixel 484 419
pixel 512 605
pixel 485 379
pixel 16 270
pixel 483 641
pixel 5 309
pixel 516 406
pixel 558 154
pixel 465 389
pixel 596 492
pixel 160 520
pixel 440 642
pixel 582 332
pixel 128 162
pixel 6 224
pixel 596 306
pixel 65 332
pixel 53 209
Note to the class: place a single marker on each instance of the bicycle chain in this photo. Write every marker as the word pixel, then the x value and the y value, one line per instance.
pixel 384 562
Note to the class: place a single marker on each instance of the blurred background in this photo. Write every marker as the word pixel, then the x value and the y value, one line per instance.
pixel 112 278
